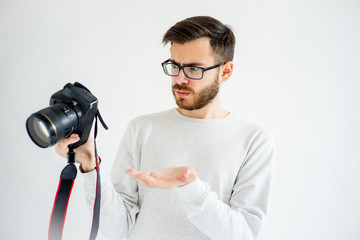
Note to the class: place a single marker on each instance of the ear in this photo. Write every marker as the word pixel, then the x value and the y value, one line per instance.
pixel 227 70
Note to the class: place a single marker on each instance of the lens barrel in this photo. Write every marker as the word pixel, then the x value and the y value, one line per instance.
pixel 52 124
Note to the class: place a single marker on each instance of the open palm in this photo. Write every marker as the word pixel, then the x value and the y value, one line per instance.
pixel 166 178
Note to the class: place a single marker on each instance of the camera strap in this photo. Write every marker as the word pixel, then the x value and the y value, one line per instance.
pixel 66 183
pixel 96 208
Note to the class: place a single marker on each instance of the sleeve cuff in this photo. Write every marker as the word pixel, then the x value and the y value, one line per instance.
pixel 193 192
pixel 89 180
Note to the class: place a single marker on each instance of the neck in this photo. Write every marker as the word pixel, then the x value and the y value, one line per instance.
pixel 211 111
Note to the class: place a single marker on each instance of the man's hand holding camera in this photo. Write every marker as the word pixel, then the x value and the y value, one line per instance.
pixel 84 154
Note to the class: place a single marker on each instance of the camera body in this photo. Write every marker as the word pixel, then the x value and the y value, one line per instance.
pixel 72 110
pixel 80 99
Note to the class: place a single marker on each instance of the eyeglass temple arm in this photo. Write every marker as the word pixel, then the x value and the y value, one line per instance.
pixel 218 65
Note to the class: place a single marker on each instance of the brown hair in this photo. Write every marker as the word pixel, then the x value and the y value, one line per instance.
pixel 222 39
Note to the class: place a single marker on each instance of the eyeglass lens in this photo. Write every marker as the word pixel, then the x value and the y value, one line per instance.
pixel 190 72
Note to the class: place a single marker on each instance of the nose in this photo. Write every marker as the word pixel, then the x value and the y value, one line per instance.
pixel 181 79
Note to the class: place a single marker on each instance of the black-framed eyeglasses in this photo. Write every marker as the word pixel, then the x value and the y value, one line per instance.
pixel 192 72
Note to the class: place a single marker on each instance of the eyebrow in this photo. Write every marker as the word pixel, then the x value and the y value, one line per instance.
pixel 195 64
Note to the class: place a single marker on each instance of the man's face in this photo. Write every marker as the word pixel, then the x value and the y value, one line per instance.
pixel 195 94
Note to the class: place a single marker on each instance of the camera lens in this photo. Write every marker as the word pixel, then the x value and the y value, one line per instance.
pixel 39 131
pixel 52 124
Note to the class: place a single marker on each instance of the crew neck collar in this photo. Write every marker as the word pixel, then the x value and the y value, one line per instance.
pixel 178 115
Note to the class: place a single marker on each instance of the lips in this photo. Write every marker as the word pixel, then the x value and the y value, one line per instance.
pixel 182 93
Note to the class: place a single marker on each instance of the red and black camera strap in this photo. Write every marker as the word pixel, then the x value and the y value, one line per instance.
pixel 66 183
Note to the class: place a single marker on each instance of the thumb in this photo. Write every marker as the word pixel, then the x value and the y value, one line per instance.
pixel 190 175
pixel 187 173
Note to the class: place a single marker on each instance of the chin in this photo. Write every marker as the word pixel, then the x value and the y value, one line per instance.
pixel 182 104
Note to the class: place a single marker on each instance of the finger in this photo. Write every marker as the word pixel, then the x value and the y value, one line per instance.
pixel 67 141
pixel 140 178
pixel 132 172
pixel 146 178
pixel 72 139
pixel 62 147
pixel 141 181
pixel 187 173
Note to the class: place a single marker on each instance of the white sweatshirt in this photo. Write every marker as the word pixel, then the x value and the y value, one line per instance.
pixel 229 200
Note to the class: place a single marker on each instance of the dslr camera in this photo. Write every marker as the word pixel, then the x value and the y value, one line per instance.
pixel 71 110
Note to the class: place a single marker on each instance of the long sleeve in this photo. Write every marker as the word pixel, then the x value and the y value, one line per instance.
pixel 119 198
pixel 228 201
pixel 241 218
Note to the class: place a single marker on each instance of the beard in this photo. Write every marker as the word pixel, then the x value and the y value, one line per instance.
pixel 200 99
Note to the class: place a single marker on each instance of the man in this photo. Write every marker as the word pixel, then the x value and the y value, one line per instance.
pixel 194 172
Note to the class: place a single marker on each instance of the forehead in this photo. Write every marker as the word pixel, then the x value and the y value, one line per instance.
pixel 198 50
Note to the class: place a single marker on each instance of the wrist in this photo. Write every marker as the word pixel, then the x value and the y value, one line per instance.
pixel 86 168
pixel 90 166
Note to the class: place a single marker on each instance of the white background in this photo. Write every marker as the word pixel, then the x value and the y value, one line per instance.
pixel 296 74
